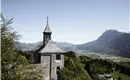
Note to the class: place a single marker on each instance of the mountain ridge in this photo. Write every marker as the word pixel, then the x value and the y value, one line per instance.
pixel 110 42
pixel 30 46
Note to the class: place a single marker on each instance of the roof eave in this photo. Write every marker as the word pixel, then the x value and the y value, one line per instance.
pixel 52 52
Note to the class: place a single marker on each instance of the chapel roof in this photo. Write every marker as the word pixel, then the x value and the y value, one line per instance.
pixel 51 47
pixel 38 47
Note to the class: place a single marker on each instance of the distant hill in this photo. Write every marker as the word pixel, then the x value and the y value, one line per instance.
pixel 30 46
pixel 110 42
pixel 26 46
pixel 65 45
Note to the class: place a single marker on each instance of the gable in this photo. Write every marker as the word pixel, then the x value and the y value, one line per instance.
pixel 51 47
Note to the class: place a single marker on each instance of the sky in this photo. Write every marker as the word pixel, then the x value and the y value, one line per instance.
pixel 73 21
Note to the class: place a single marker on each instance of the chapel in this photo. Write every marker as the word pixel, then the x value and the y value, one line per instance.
pixel 47 54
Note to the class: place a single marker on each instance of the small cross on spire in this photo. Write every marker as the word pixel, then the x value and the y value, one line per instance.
pixel 47 19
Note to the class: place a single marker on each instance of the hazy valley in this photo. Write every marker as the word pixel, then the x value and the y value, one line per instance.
pixel 112 44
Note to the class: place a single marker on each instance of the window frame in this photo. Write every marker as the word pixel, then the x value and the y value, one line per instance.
pixel 58 56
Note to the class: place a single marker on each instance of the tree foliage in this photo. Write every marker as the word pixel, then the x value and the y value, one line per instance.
pixel 73 70
pixel 99 66
pixel 14 66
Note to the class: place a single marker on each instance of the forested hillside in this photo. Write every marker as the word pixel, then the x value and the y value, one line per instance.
pixel 74 70
pixel 85 68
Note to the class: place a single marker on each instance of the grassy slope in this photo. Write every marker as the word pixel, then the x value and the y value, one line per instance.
pixel 123 76
pixel 124 59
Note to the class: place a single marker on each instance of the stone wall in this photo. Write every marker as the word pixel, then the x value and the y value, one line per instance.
pixel 35 57
pixel 45 63
pixel 54 64
pixel 49 65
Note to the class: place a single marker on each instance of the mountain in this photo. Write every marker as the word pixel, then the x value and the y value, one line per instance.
pixel 30 46
pixel 110 42
pixel 65 45
pixel 26 46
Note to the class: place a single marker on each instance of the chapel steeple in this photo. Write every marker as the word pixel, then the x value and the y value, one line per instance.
pixel 47 29
pixel 46 34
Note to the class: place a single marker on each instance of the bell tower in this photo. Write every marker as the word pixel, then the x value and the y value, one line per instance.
pixel 46 34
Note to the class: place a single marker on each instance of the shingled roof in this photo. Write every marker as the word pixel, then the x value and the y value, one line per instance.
pixel 51 47
pixel 47 29
pixel 38 47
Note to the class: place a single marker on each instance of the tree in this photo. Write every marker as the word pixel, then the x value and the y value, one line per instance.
pixel 73 70
pixel 14 66
pixel 119 78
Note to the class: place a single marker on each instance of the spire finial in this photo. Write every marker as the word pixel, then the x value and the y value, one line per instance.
pixel 47 19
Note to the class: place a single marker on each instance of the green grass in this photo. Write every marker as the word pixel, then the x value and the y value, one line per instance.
pixel 124 59
pixel 120 59
pixel 123 76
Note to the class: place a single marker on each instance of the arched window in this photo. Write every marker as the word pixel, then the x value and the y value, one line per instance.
pixel 58 67
pixel 49 37
pixel 57 71
pixel 46 36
